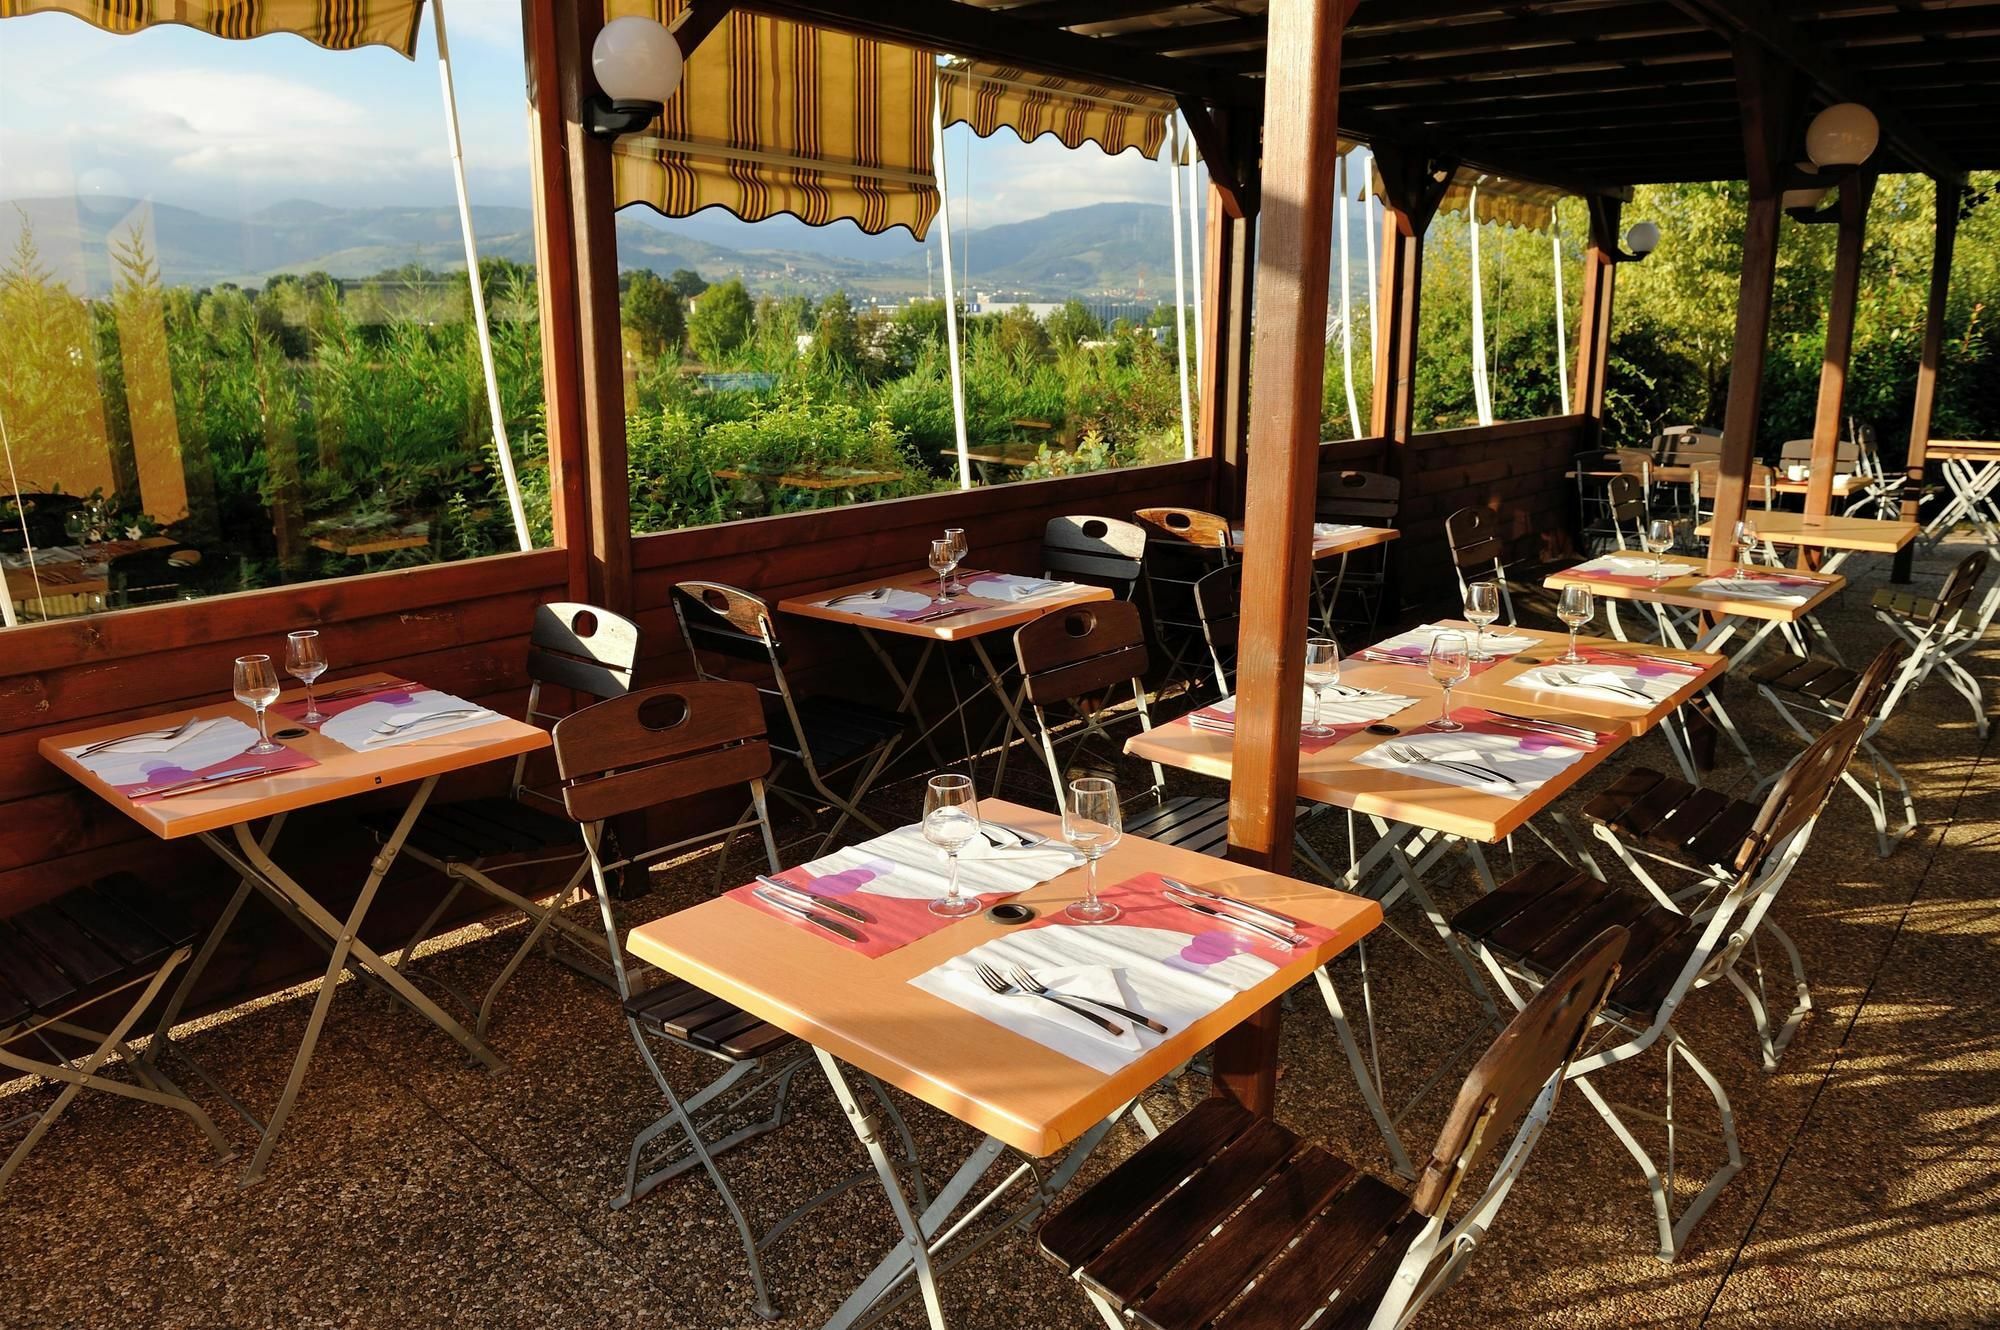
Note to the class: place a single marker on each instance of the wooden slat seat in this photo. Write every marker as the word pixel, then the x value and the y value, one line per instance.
pixel 679 1010
pixel 478 829
pixel 1919 609
pixel 1189 822
pixel 1809 677
pixel 837 730
pixel 1235 1192
pixel 61 954
pixel 1670 815
pixel 1540 917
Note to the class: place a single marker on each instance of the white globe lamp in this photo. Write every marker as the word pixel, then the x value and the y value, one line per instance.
pixel 1844 134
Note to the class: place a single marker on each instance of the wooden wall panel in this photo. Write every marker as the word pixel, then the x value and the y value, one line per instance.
pixel 1514 468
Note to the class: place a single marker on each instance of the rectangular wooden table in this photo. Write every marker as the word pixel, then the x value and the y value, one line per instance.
pixel 1972 476
pixel 1842 535
pixel 1021 1094
pixel 1336 546
pixel 980 619
pixel 339 772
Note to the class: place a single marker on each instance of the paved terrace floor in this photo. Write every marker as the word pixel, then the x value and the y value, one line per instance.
pixel 413 1191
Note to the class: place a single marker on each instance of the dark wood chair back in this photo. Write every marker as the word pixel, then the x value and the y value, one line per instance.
pixel 726 620
pixel 1474 537
pixel 1536 1045
pixel 1760 486
pixel 1625 499
pixel 1186 526
pixel 659 744
pixel 1102 551
pixel 1846 453
pixel 1684 445
pixel 1081 651
pixel 1800 793
pixel 1365 497
pixel 582 647
pixel 1874 682
pixel 1218 599
pixel 1959 584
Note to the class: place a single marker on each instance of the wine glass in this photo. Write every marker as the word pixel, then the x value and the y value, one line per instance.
pixel 942 562
pixel 1450 664
pixel 1659 539
pixel 257 688
pixel 1482 607
pixel 1322 672
pixel 959 549
pixel 305 661
pixel 951 819
pixel 1092 824
pixel 1746 545
pixel 1575 609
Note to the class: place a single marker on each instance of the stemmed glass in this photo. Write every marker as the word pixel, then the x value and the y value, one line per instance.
pixel 305 661
pixel 1658 540
pixel 943 560
pixel 1746 545
pixel 257 688
pixel 951 819
pixel 955 536
pixel 1322 672
pixel 1482 607
pixel 1574 609
pixel 1450 664
pixel 1092 824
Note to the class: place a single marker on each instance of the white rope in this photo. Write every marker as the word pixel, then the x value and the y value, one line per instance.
pixel 7 618
pixel 1180 285
pixel 1482 397
pixel 500 444
pixel 1197 258
pixel 950 298
pixel 1340 184
pixel 1368 225
pixel 1562 319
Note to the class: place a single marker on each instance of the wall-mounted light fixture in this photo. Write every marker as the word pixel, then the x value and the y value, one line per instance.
pixel 1641 240
pixel 637 64
pixel 1839 141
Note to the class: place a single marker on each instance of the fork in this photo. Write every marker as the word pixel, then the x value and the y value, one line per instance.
pixel 1030 840
pixel 877 594
pixel 1039 989
pixel 1570 679
pixel 993 979
pixel 1412 757
pixel 391 727
pixel 172 736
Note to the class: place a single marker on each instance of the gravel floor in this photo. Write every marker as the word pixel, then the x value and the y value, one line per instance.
pixel 414 1191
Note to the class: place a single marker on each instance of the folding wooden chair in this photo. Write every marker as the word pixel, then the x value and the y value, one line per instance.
pixel 1708 839
pixel 111 941
pixel 1943 627
pixel 1532 924
pixel 1229 1219
pixel 1079 659
pixel 1100 551
pixel 1804 690
pixel 627 756
pixel 1182 546
pixel 824 737
pixel 1613 504
pixel 1365 498
pixel 1477 553
pixel 592 653
pixel 1218 602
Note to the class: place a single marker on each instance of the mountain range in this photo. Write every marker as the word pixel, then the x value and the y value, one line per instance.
pixel 1101 249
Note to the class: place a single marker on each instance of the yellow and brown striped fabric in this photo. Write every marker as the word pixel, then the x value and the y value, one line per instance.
pixel 1502 199
pixel 338 25
pixel 776 117
pixel 989 97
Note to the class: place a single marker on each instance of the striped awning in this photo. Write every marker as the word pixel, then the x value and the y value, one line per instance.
pixel 777 117
pixel 990 97
pixel 338 25
pixel 1502 199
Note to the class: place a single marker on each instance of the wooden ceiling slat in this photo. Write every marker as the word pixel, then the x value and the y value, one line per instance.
pixel 1538 61
pixel 1516 33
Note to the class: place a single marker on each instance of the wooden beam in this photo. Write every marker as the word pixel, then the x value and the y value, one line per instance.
pixel 1231 163
pixel 1770 120
pixel 1411 192
pixel 1593 335
pixel 699 19
pixel 1768 25
pixel 555 284
pixel 607 488
pixel 1227 308
pixel 1950 193
pixel 1855 193
pixel 1294 258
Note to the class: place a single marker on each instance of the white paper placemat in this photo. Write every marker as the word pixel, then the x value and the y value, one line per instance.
pixel 1630 565
pixel 1525 763
pixel 904 865
pixel 1752 588
pixel 1606 683
pixel 130 761
pixel 1343 706
pixel 359 727
pixel 890 602
pixel 1496 641
pixel 1015 586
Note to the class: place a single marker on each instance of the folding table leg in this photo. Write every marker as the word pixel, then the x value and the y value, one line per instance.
pixel 906 688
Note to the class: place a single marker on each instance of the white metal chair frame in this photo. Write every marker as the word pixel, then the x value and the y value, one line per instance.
pixel 1937 646
pixel 1371 499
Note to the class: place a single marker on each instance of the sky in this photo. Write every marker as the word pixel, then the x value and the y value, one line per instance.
pixel 178 117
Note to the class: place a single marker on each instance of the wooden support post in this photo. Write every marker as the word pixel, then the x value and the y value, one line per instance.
pixel 555 282
pixel 1411 193
pixel 1949 192
pixel 1593 338
pixel 1770 112
pixel 1855 193
pixel 607 538
pixel 1227 303
pixel 1294 258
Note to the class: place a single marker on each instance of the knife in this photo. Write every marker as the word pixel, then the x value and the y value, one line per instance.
pixel 824 903
pixel 1552 726
pixel 1271 917
pixel 229 777
pixel 813 917
pixel 1284 940
pixel 363 689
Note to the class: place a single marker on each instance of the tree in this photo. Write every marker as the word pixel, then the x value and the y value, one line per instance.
pixel 654 313
pixel 721 321
pixel 1020 336
pixel 1072 322
pixel 837 334
pixel 687 283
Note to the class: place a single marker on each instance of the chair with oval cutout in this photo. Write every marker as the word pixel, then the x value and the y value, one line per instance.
pixel 1100 551
pixel 1183 545
pixel 1363 498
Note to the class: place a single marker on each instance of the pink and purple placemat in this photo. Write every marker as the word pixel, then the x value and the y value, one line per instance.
pixel 1142 903
pixel 1416 655
pixel 1478 720
pixel 889 923
pixel 163 773
pixel 1224 722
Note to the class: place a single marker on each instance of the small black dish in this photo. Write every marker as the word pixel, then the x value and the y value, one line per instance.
pixel 1528 660
pixel 1380 728
pixel 291 732
pixel 1010 913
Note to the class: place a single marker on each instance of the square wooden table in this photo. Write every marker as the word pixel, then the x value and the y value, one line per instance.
pixel 1021 1094
pixel 978 620
pixel 1335 546
pixel 339 772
